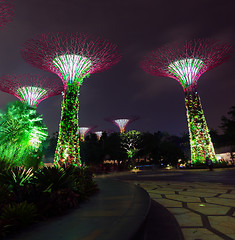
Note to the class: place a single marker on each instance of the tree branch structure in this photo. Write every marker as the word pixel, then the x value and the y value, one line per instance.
pixel 31 89
pixel 6 12
pixel 122 123
pixel 186 62
pixel 83 131
pixel 73 57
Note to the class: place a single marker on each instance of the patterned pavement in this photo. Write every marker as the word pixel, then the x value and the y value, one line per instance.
pixel 204 211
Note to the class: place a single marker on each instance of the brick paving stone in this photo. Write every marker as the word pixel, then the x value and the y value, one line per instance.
pixel 155 195
pixel 197 193
pixel 208 209
pixel 224 224
pixel 199 234
pixel 183 198
pixel 232 196
pixel 185 217
pixel 221 201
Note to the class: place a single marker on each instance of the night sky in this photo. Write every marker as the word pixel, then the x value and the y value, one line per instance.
pixel 138 27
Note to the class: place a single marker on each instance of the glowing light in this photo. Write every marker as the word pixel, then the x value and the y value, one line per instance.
pixel 121 123
pixel 72 56
pixel 186 63
pixel 22 133
pixel 31 94
pixel 37 136
pixel 186 70
pixel 29 88
pixel 83 131
pixel 72 66
pixel 98 134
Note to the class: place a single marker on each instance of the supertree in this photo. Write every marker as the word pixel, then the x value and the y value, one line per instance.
pixel 98 134
pixel 121 123
pixel 31 89
pixel 83 131
pixel 186 62
pixel 6 12
pixel 72 56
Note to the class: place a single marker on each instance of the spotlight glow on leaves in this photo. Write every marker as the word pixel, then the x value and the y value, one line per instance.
pixel 22 133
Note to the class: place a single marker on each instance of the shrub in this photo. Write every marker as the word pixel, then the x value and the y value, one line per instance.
pixel 17 215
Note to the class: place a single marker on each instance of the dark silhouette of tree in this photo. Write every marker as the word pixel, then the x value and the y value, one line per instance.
pixel 228 127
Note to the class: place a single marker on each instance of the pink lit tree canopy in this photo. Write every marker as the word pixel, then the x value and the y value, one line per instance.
pixel 72 56
pixel 83 131
pixel 186 63
pixel 122 123
pixel 31 89
pixel 6 12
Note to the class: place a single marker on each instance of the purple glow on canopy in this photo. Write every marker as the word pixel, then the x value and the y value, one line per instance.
pixel 6 12
pixel 61 52
pixel 122 123
pixel 186 62
pixel 29 88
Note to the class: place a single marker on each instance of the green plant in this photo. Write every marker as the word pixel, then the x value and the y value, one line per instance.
pixel 22 134
pixel 50 179
pixel 17 215
pixel 17 180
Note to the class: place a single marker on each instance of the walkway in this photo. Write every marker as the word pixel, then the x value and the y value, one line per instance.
pixel 115 213
pixel 203 210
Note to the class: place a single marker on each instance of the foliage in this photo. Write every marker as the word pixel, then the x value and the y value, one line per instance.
pixel 39 194
pixel 49 179
pixel 92 150
pixel 17 215
pixel 22 135
pixel 130 141
pixel 228 127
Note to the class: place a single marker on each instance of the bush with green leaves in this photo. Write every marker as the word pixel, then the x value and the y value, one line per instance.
pixel 17 215
pixel 22 135
pixel 49 190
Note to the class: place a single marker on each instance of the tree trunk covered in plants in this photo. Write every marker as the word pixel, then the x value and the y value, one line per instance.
pixel 200 141
pixel 68 150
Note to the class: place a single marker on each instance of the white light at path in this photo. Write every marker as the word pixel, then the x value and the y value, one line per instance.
pixel 186 69
pixel 31 95
pixel 72 66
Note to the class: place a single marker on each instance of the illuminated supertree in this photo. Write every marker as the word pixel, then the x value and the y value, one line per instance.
pixel 83 131
pixel 98 134
pixel 122 123
pixel 186 63
pixel 31 89
pixel 6 12
pixel 72 56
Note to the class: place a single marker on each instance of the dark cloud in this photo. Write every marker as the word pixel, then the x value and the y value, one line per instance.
pixel 138 27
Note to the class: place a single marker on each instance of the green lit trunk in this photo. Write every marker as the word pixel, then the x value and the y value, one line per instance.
pixel 200 141
pixel 67 149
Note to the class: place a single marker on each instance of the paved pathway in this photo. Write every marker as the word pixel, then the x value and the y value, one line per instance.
pixel 115 213
pixel 203 210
